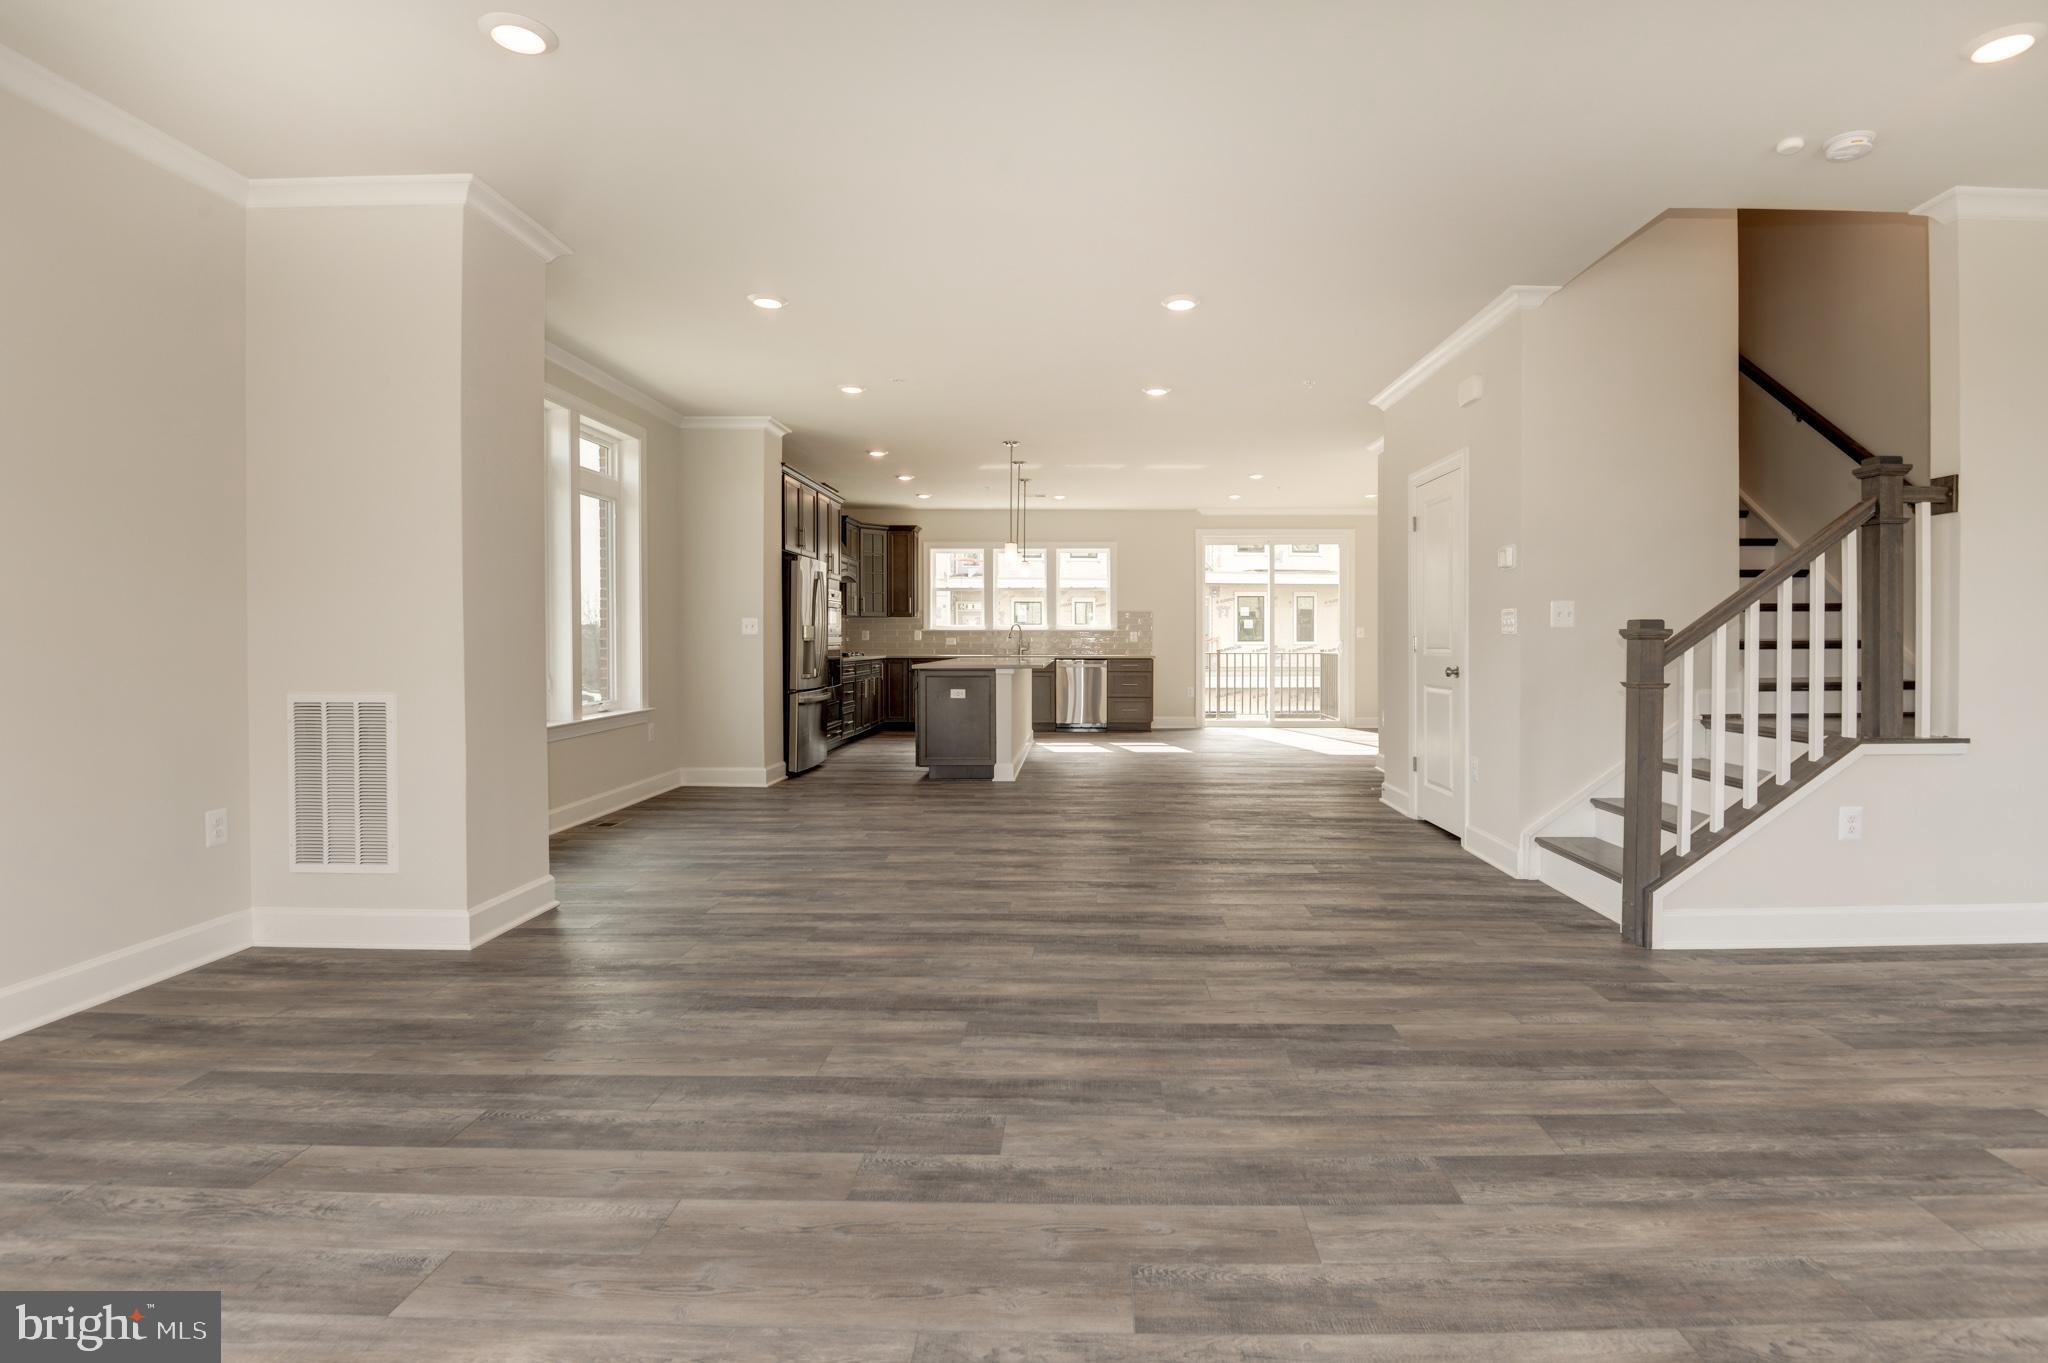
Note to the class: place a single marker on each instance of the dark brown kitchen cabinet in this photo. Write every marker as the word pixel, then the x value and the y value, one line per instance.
pixel 896 680
pixel 900 597
pixel 807 520
pixel 792 506
pixel 1043 692
pixel 874 571
pixel 830 511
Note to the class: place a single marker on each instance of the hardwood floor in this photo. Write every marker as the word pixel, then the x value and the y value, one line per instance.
pixel 1187 1051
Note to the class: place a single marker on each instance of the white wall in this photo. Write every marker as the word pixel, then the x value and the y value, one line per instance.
pixel 1158 570
pixel 1603 447
pixel 121 374
pixel 1834 306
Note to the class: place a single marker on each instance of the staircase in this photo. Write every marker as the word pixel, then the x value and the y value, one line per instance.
pixel 1806 661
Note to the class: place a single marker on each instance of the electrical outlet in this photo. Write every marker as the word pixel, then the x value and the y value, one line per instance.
pixel 1849 823
pixel 1191 693
pixel 1564 614
pixel 1359 632
pixel 216 828
pixel 750 624
pixel 917 636
pixel 951 642
pixel 1134 636
pixel 1510 620
pixel 864 634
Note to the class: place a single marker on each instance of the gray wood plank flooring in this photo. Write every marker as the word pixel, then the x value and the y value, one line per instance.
pixel 1183 1052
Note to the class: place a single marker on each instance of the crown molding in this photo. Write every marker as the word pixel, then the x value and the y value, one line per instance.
pixel 47 90
pixel 1515 298
pixel 734 423
pixel 408 191
pixel 1988 203
pixel 1378 447
pixel 618 388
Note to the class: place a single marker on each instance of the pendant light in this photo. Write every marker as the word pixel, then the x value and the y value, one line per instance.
pixel 1013 497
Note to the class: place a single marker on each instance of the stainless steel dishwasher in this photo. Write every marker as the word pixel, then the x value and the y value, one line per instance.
pixel 1081 693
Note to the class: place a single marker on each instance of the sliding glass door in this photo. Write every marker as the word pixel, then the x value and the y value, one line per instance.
pixel 1272 639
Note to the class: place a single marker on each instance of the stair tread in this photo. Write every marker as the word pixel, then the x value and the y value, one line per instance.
pixel 1800 606
pixel 1767 726
pixel 1759 572
pixel 1702 771
pixel 1668 816
pixel 1831 684
pixel 1796 643
pixel 1595 854
pixel 1759 541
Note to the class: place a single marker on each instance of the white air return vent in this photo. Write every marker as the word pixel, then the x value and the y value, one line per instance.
pixel 341 783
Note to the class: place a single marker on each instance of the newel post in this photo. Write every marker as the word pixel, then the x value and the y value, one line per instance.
pixel 1642 789
pixel 1883 588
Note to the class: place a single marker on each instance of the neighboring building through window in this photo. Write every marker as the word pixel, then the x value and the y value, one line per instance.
pixel 1304 617
pixel 1251 619
pixel 1057 587
pixel 593 557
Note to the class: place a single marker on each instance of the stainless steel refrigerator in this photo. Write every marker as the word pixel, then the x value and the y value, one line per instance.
pixel 805 660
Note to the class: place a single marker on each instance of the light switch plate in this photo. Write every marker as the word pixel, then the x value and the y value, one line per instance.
pixel 1510 620
pixel 750 624
pixel 1564 614
pixel 1504 557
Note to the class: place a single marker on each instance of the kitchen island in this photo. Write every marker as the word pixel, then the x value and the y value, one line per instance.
pixel 974 717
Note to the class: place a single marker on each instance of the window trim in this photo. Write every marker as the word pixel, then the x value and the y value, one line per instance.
pixel 1237 609
pixel 991 552
pixel 565 419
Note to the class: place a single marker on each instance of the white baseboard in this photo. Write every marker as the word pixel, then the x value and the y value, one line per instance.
pixel 31 1003
pixel 510 909
pixel 1175 722
pixel 1581 883
pixel 1496 852
pixel 1851 925
pixel 404 929
pixel 1397 799
pixel 749 778
pixel 564 817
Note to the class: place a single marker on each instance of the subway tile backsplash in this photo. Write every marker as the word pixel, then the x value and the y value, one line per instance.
pixel 1132 638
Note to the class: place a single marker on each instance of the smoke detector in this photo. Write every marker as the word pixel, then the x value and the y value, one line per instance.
pixel 1850 146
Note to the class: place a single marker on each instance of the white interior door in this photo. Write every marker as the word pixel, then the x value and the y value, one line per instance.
pixel 1436 577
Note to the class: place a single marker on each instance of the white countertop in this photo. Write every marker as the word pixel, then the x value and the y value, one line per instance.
pixel 984 662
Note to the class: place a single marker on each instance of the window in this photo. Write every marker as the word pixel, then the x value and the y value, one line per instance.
pixel 594 631
pixel 1304 617
pixel 1056 587
pixel 958 590
pixel 1251 619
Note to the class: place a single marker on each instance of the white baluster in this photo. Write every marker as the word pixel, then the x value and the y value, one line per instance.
pixel 1784 674
pixel 1923 619
pixel 1817 656
pixel 1687 727
pixel 1852 661
pixel 1717 722
pixel 1752 638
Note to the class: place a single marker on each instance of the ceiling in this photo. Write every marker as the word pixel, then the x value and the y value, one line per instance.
pixel 975 209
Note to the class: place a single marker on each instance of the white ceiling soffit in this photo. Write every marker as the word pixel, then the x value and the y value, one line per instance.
pixel 47 90
pixel 1515 298
pixel 1974 201
pixel 990 202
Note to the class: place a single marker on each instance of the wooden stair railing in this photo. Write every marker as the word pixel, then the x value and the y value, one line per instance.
pixel 1807 414
pixel 1869 541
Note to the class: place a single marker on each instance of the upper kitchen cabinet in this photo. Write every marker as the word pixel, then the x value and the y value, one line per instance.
pixel 810 517
pixel 903 556
pixel 792 519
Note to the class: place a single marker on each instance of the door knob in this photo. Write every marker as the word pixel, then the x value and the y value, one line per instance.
pixel 1454 672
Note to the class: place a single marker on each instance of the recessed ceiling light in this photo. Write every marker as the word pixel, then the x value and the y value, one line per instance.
pixel 1059 496
pixel 924 496
pixel 1255 476
pixel 1157 392
pixel 2003 44
pixel 767 302
pixel 1181 302
pixel 878 454
pixel 852 390
pixel 1850 146
pixel 1234 497
pixel 905 477
pixel 517 33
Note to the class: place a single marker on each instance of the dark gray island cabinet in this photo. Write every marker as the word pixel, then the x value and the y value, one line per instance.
pixel 973 718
